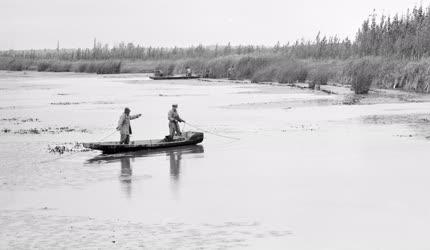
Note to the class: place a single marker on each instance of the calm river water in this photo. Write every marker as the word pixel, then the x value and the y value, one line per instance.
pixel 307 172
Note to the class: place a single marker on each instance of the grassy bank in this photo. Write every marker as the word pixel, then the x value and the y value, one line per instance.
pixel 392 52
pixel 99 67
pixel 361 73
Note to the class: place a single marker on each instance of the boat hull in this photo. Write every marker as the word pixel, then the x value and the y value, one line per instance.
pixel 173 77
pixel 189 138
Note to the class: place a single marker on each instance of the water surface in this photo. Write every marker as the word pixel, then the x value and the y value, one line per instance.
pixel 307 172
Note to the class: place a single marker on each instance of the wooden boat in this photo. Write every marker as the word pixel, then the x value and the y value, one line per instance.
pixel 178 77
pixel 181 150
pixel 187 138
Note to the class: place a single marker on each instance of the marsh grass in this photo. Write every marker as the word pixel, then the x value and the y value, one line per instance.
pixel 292 71
pixel 321 74
pixel 262 68
pixel 408 75
pixel 246 67
pixel 15 64
pixel 267 74
pixel 109 67
pixel 361 73
pixel 54 66
pixel 99 67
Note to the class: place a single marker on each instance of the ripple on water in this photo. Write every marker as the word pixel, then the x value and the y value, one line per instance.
pixel 40 229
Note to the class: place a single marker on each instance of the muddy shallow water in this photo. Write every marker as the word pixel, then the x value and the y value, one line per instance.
pixel 307 173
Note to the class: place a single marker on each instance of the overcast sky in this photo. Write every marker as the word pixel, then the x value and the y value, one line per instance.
pixel 75 23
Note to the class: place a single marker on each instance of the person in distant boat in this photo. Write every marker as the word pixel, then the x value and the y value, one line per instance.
pixel 174 121
pixel 158 72
pixel 124 126
pixel 207 73
pixel 189 73
pixel 230 72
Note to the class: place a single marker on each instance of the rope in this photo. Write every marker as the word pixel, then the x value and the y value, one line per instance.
pixel 108 135
pixel 209 132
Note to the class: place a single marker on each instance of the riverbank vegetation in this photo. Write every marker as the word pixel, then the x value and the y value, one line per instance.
pixel 387 52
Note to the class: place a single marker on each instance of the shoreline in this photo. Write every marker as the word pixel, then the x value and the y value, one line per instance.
pixel 361 72
pixel 375 95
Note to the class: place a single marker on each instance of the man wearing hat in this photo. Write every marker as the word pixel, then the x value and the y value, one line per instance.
pixel 174 120
pixel 124 126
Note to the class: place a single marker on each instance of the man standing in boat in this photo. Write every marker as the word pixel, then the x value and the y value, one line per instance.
pixel 124 126
pixel 159 73
pixel 230 73
pixel 188 72
pixel 174 120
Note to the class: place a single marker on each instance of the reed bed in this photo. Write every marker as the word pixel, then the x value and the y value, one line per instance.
pixel 99 67
pixel 391 52
pixel 362 73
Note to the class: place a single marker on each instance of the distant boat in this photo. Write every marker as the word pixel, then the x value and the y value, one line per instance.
pixel 187 138
pixel 177 77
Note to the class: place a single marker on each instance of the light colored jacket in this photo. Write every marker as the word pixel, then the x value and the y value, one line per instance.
pixel 173 116
pixel 124 123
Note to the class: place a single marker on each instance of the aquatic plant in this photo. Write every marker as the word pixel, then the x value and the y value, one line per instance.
pixel 108 67
pixel 267 74
pixel 15 64
pixel 246 66
pixel 292 71
pixel 361 73
pixel 320 74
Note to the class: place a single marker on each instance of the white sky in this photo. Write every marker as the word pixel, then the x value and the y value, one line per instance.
pixel 39 24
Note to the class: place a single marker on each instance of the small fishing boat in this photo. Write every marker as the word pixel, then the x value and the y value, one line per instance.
pixel 187 138
pixel 180 150
pixel 177 77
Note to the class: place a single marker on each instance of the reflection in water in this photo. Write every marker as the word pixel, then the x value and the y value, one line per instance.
pixel 175 164
pixel 175 158
pixel 174 154
pixel 125 176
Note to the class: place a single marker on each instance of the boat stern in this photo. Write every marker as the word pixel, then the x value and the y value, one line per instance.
pixel 194 136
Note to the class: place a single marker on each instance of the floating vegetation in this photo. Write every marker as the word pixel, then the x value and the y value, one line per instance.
pixel 352 99
pixel 66 103
pixel 29 131
pixel 8 107
pixel 164 95
pixel 77 103
pixel 8 119
pixel 49 130
pixel 67 147
pixel 19 120
pixel 416 119
pixel 102 102
pixel 303 127
pixel 30 120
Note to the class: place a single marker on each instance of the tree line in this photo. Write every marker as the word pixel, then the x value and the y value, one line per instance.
pixel 406 37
